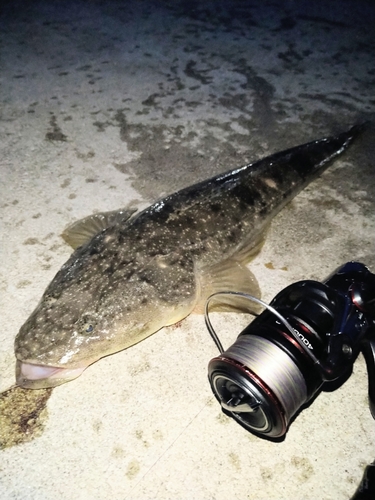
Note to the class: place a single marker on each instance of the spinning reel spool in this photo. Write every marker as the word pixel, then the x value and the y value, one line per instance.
pixel 307 337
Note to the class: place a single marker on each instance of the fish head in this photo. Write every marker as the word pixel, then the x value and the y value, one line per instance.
pixel 88 312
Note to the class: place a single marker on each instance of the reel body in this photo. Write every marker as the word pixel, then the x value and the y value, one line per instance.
pixel 307 337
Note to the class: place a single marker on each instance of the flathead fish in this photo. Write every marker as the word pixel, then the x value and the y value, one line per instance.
pixel 132 274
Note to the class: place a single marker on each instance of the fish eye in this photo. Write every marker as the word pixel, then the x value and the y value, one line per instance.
pixel 88 327
pixel 86 324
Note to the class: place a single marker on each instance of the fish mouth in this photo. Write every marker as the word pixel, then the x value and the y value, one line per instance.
pixel 33 376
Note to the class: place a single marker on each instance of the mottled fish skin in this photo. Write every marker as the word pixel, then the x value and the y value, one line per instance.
pixel 154 268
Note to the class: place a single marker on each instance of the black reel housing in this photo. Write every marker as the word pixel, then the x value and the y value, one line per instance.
pixel 309 336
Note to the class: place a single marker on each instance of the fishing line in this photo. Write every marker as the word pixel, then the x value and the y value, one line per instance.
pixel 260 302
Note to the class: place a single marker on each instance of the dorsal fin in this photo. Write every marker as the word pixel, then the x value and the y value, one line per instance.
pixel 81 231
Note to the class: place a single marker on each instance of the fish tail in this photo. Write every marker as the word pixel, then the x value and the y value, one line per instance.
pixel 347 137
pixel 311 159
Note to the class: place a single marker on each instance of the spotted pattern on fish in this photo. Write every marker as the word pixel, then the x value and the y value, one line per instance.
pixel 132 274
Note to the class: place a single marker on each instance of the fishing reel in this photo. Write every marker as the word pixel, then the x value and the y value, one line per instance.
pixel 306 340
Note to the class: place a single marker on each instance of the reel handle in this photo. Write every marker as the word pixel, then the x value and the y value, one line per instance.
pixel 368 350
pixel 366 489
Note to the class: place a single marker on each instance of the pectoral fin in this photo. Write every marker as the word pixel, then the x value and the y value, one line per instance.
pixel 81 231
pixel 229 275
pixel 250 249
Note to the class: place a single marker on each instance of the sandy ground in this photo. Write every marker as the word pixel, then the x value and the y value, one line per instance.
pixel 109 103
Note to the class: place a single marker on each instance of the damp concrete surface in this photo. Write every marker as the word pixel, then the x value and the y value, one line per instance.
pixel 111 103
